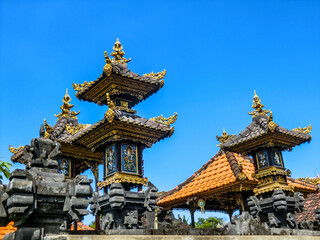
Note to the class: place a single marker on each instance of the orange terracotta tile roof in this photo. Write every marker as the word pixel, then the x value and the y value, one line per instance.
pixel 8 229
pixel 219 175
pixel 81 227
pixel 222 171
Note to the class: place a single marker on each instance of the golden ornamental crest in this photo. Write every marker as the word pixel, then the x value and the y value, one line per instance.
pixel 168 121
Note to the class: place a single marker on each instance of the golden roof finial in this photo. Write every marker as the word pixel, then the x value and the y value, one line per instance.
pixel 66 108
pixel 168 121
pixel 223 138
pixel 117 54
pixel 257 106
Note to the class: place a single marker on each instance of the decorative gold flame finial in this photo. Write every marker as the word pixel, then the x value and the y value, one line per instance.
pixel 304 130
pixel 271 124
pixel 109 115
pixel 159 75
pixel 223 138
pixel 257 106
pixel 15 150
pixel 117 54
pixel 66 108
pixel 48 128
pixel 168 121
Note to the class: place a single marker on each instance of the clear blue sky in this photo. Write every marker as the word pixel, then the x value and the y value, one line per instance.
pixel 215 53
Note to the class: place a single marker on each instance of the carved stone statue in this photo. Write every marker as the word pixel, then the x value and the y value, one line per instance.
pixel 40 200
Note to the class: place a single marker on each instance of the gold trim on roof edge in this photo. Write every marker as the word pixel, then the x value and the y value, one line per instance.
pixel 74 129
pixel 303 130
pixel 15 150
pixel 168 121
pixel 122 177
pixel 158 75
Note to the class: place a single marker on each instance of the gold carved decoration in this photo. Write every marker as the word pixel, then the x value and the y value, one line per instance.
pixel 107 69
pixel 48 128
pixel 117 54
pixel 126 109
pixel 257 106
pixel 159 75
pixel 74 129
pixel 66 108
pixel 121 177
pixel 303 130
pixel 109 115
pixel 314 181
pixel 271 124
pixel 272 187
pixel 168 121
pixel 15 150
pixel 80 86
pixel 242 176
pixel 223 138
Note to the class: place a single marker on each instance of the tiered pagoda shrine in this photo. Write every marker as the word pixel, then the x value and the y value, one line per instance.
pixel 274 200
pixel 73 159
pixel 122 136
pixel 226 181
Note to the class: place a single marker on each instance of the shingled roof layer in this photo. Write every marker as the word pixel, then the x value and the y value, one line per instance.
pixel 215 174
pixel 128 118
pixel 259 127
pixel 221 171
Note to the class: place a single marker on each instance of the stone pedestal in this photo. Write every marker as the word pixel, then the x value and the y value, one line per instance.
pixel 121 209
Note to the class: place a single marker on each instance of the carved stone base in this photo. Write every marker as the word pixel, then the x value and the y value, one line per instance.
pixel 278 210
pixel 121 209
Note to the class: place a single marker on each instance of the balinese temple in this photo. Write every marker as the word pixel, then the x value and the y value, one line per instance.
pixel 117 140
pixel 248 165
pixel 74 159
pixel 121 136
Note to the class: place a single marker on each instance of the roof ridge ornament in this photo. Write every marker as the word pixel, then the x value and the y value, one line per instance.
pixel 66 108
pixel 117 54
pixel 257 106
pixel 167 121
pixel 15 150
pixel 109 115
pixel 74 129
pixel 223 138
pixel 158 75
pixel 271 124
pixel 303 130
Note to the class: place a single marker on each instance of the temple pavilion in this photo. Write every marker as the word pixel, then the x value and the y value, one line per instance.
pixel 226 181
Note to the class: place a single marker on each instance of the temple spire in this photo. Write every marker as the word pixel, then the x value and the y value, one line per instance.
pixel 65 107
